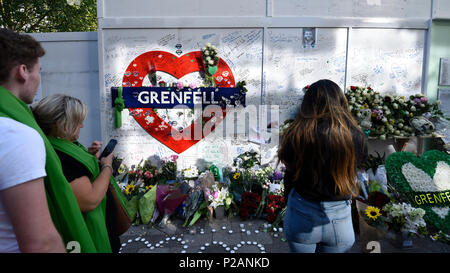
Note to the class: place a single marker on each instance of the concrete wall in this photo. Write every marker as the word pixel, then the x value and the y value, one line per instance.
pixel 70 66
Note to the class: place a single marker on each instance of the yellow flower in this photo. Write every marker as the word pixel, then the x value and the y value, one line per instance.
pixel 236 176
pixel 149 187
pixel 129 189
pixel 373 212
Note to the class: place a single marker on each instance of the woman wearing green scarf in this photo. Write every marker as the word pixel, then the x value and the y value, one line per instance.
pixel 61 117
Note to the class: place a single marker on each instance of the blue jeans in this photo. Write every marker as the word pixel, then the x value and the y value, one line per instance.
pixel 321 227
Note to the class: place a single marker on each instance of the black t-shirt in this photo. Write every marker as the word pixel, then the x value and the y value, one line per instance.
pixel 72 170
pixel 316 182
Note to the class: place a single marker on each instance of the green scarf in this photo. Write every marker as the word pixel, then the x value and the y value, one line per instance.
pixel 63 206
pixel 95 219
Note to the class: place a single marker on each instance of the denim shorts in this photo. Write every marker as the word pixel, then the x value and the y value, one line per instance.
pixel 322 227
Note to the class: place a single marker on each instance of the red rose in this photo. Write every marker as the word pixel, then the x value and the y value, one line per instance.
pixel 353 88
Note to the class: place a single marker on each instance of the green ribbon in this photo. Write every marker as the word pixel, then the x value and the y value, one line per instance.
pixel 119 105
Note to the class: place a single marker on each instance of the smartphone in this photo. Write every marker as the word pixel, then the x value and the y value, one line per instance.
pixel 109 148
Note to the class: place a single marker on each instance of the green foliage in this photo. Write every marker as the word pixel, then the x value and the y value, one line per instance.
pixel 48 15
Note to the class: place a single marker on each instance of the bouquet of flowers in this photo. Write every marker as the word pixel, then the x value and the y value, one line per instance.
pixel 249 205
pixel 210 60
pixel 372 216
pixel 388 115
pixel 169 167
pixel 247 160
pixel 218 195
pixel 275 205
pixel 190 173
pixel 405 218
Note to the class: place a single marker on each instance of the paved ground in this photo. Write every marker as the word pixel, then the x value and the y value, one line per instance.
pixel 236 236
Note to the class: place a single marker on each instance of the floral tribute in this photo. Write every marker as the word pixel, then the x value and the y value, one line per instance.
pixel 385 116
pixel 424 183
pixel 246 188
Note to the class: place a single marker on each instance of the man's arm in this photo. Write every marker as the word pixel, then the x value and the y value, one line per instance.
pixel 27 208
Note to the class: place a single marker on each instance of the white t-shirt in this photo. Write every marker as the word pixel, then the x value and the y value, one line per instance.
pixel 22 159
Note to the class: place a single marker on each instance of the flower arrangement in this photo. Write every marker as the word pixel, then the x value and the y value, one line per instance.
pixel 169 167
pixel 218 195
pixel 403 217
pixel 383 116
pixel 190 173
pixel 275 205
pixel 247 160
pixel 249 205
pixel 210 60
pixel 372 216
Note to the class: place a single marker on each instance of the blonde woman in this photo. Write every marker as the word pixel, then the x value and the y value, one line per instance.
pixel 61 118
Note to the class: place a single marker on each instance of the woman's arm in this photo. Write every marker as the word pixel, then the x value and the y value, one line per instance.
pixel 90 194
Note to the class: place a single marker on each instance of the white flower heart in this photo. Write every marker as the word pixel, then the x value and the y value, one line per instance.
pixel 422 182
pixel 441 212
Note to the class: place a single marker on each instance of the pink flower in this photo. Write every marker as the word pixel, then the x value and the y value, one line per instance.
pixel 423 99
pixel 148 174
pixel 174 157
pixel 215 195
pixel 180 85
pixel 193 85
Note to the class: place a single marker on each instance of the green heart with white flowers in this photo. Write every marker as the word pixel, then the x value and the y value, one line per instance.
pixel 425 182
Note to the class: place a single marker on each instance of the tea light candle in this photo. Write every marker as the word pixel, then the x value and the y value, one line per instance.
pixel 241 225
pixel 214 242
pixel 206 244
pixel 213 230
pixel 185 246
pixel 230 231
pixel 202 248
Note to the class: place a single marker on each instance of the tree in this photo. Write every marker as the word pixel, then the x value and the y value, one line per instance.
pixel 49 15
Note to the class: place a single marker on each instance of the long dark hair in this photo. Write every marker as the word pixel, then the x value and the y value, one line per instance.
pixel 325 103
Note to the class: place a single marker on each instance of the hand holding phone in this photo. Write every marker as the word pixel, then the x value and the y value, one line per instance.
pixel 109 148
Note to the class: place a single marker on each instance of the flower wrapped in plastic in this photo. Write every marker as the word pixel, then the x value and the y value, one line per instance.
pixel 168 198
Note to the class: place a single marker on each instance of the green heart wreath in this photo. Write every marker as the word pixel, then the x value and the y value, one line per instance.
pixel 425 182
